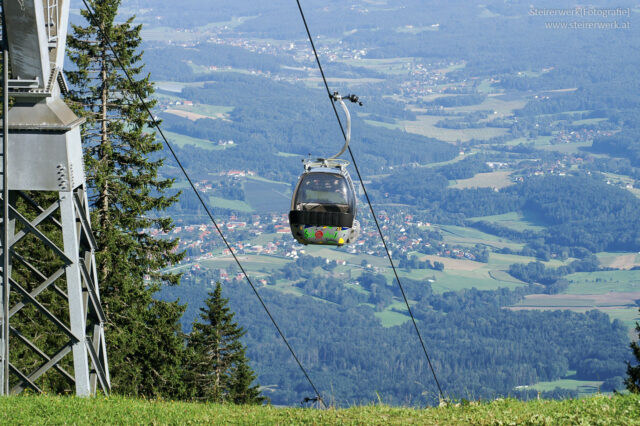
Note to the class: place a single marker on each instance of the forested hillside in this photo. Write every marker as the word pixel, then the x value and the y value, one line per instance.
pixel 500 157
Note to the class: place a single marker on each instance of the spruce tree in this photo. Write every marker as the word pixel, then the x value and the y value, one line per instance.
pixel 633 372
pixel 127 198
pixel 241 390
pixel 218 370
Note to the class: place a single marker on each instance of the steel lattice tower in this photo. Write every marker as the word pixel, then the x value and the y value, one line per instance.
pixel 49 274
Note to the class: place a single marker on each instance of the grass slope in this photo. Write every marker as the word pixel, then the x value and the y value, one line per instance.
pixel 118 410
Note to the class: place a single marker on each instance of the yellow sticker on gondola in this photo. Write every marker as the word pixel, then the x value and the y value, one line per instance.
pixel 340 241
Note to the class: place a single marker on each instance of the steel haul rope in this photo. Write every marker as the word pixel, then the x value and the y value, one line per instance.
pixel 355 165
pixel 186 175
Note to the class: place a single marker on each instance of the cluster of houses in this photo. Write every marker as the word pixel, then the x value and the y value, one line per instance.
pixel 426 79
pixel 578 136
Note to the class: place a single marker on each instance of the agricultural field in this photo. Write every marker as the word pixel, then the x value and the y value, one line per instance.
pixel 583 387
pixel 175 87
pixel 513 220
pixel 198 111
pixel 460 157
pixel 391 126
pixel 539 142
pixel 459 274
pixel 234 205
pixel 481 279
pixel 486 86
pixel 592 301
pixel 267 196
pixel 178 35
pixel 425 125
pixel 467 236
pixel 603 281
pixel 189 115
pixel 615 292
pixel 567 148
pixel 500 105
pixel 619 260
pixel 617 304
pixel 392 315
pixel 317 82
pixel 392 66
pixel 183 140
pixel 261 195
pixel 500 179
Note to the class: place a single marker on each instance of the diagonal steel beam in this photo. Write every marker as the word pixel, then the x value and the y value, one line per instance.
pixel 35 271
pixel 41 354
pixel 37 206
pixel 45 311
pixel 42 287
pixel 37 221
pixel 97 365
pixel 86 228
pixel 103 351
pixel 95 301
pixel 25 222
pixel 24 378
pixel 44 368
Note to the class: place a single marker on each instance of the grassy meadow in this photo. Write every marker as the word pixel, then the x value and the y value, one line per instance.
pixel 44 409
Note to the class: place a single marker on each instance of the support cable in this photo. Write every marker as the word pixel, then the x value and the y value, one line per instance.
pixel 355 165
pixel 186 175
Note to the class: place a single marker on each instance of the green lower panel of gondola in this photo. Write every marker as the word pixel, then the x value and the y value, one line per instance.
pixel 328 235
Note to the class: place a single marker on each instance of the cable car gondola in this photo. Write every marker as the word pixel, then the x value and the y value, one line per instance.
pixel 323 206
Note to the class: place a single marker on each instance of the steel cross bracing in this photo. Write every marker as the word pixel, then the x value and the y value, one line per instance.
pixel 71 315
pixel 52 320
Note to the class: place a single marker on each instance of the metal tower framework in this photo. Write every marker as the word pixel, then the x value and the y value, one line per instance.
pixel 50 297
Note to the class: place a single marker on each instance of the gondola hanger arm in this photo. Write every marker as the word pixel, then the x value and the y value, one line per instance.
pixel 337 98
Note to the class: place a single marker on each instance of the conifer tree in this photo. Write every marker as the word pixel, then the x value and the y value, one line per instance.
pixel 127 197
pixel 633 372
pixel 241 390
pixel 218 370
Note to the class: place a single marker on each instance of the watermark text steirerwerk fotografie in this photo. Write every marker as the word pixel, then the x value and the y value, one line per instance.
pixel 600 18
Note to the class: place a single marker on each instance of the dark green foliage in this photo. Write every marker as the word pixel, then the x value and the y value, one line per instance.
pixel 633 372
pixel 578 211
pixel 265 122
pixel 125 195
pixel 537 272
pixel 466 168
pixel 479 348
pixel 217 369
pixel 623 144
pixel 241 390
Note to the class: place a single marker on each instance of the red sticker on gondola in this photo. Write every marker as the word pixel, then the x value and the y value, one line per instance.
pixel 318 235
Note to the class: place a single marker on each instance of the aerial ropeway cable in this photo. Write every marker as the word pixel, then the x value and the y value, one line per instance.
pixel 355 165
pixel 156 124
pixel 324 166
